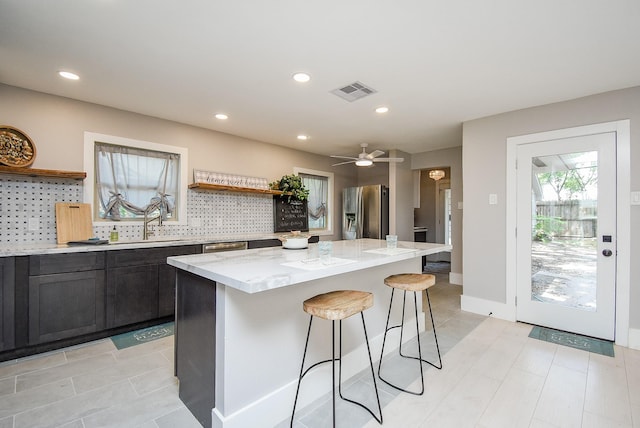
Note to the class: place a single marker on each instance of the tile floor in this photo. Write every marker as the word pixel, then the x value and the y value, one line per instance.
pixel 94 385
pixel 494 376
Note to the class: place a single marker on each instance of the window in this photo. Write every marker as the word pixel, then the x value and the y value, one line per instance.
pixel 126 177
pixel 320 186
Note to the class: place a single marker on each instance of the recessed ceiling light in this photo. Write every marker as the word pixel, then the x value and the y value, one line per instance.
pixel 303 137
pixel 68 75
pixel 222 116
pixel 301 77
pixel 382 109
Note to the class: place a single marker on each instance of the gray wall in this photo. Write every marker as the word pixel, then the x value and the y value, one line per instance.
pixel 56 125
pixel 484 158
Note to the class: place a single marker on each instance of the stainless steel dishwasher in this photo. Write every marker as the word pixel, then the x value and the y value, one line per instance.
pixel 224 246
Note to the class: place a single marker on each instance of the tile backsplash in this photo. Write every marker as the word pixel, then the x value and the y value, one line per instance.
pixel 27 212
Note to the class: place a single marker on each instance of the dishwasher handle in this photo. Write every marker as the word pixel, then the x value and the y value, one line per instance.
pixel 224 246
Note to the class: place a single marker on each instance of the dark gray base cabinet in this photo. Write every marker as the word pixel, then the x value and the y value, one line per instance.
pixel 132 295
pixel 7 303
pixel 66 296
pixel 65 305
pixel 140 284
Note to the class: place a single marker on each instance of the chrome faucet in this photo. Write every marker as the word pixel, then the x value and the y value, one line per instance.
pixel 151 208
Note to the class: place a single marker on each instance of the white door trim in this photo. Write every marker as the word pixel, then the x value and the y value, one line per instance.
pixel 623 154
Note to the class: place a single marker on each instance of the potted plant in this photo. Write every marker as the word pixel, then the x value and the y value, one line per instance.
pixel 292 187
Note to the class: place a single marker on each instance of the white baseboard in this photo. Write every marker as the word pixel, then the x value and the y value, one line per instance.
pixel 487 307
pixel 455 278
pixel 634 338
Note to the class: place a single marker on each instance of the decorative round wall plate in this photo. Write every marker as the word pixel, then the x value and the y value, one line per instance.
pixel 16 148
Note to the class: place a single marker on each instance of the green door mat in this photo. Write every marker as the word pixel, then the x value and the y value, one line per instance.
pixel 597 346
pixel 144 335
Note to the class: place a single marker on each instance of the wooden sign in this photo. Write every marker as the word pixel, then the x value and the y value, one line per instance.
pixel 288 216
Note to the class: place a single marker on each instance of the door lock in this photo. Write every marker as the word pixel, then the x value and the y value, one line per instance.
pixel 607 253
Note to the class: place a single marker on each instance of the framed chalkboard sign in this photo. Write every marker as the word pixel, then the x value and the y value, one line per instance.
pixel 288 216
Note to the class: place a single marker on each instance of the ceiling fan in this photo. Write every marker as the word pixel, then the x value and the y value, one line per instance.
pixel 366 159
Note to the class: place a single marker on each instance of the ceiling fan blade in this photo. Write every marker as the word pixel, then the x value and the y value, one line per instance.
pixel 343 157
pixel 344 163
pixel 375 154
pixel 388 160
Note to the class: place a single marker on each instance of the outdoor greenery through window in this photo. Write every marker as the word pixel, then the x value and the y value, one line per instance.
pixel 566 196
pixel 131 180
pixel 320 186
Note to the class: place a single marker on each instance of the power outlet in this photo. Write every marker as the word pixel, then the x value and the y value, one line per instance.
pixel 195 222
pixel 34 224
pixel 218 221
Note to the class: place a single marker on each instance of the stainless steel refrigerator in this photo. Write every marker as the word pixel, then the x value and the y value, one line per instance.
pixel 365 212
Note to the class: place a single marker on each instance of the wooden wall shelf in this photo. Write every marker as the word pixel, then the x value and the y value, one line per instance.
pixel 207 186
pixel 52 173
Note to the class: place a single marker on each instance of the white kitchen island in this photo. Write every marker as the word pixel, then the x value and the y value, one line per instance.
pixel 240 327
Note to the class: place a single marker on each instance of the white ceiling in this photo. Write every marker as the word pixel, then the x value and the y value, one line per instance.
pixel 434 63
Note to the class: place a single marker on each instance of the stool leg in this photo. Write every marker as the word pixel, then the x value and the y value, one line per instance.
pixel 373 376
pixel 306 344
pixel 333 365
pixel 435 336
pixel 384 337
pixel 419 357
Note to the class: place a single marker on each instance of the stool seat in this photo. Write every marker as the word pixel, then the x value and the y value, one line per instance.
pixel 411 281
pixel 338 305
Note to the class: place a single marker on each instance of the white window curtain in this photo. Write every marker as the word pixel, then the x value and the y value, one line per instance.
pixel 318 194
pixel 131 180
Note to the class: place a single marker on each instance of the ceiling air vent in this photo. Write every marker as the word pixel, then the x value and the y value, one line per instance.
pixel 354 91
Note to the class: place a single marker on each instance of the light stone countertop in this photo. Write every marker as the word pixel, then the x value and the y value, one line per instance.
pixel 8 250
pixel 264 269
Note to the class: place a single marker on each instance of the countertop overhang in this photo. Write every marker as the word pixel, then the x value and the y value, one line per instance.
pixel 258 270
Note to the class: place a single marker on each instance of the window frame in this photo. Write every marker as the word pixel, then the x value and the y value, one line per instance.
pixel 330 198
pixel 90 138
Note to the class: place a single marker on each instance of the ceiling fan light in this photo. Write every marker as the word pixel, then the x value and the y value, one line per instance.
pixel 364 162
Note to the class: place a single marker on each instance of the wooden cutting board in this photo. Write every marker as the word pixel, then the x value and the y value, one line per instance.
pixel 73 222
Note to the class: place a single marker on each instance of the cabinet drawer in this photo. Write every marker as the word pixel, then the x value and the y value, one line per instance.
pixel 46 264
pixel 145 256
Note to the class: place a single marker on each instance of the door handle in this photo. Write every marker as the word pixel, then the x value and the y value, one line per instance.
pixel 607 253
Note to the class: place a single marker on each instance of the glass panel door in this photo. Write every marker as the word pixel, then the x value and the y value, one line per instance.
pixel 566 251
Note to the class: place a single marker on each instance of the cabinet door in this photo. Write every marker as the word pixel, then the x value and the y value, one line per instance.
pixel 65 305
pixel 7 303
pixel 132 294
pixel 167 280
pixel 166 290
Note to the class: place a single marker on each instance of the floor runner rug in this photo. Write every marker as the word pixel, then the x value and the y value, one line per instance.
pixel 597 346
pixel 144 335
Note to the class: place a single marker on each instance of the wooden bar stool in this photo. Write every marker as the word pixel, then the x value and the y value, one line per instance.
pixel 416 282
pixel 338 305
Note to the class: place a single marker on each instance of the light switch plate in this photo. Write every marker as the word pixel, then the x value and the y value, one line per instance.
pixel 635 198
pixel 493 199
pixel 34 223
